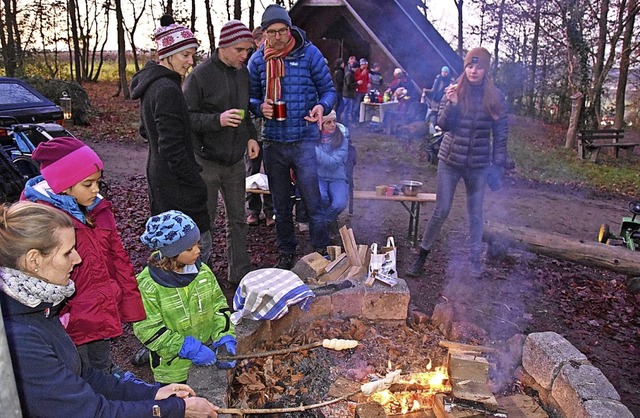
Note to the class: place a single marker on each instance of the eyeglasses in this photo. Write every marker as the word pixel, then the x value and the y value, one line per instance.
pixel 272 32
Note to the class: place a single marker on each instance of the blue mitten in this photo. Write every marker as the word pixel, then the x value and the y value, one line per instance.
pixel 224 347
pixel 494 179
pixel 198 353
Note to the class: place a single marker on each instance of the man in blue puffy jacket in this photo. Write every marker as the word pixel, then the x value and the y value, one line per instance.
pixel 289 68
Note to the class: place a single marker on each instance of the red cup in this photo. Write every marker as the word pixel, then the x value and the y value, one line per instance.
pixel 279 110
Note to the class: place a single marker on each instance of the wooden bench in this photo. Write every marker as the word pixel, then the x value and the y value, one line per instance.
pixel 591 141
pixel 410 203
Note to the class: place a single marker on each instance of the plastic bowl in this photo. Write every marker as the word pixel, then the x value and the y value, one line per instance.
pixel 410 187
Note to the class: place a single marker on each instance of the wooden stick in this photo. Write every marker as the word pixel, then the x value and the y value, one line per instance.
pixel 272 352
pixel 465 347
pixel 335 262
pixel 301 408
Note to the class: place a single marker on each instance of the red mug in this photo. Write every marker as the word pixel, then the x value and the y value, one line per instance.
pixel 279 110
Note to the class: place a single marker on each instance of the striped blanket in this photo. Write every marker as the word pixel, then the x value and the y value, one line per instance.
pixel 266 294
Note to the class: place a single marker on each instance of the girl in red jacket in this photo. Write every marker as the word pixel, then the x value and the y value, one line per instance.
pixel 106 289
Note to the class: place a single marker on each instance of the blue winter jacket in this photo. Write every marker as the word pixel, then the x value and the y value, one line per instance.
pixel 332 163
pixel 52 381
pixel 307 82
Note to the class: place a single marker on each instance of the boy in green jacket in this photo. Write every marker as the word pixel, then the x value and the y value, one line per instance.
pixel 187 313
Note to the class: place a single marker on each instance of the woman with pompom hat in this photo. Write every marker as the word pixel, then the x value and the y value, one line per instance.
pixel 173 176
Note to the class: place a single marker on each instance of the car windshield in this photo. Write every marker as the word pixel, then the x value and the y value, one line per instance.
pixel 16 94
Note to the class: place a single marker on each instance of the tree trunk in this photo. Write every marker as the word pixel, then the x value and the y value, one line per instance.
pixel 210 34
pixel 632 12
pixel 237 9
pixel 534 58
pixel 496 45
pixel 591 254
pixel 122 55
pixel 576 107
pixel 8 40
pixel 459 4
pixel 73 16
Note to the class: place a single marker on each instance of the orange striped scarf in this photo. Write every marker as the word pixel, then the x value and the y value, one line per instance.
pixel 275 67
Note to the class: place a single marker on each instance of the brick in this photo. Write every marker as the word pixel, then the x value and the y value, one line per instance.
pixel 348 303
pixel 382 302
pixel 575 385
pixel 544 354
pixel 419 317
pixel 606 409
pixel 320 308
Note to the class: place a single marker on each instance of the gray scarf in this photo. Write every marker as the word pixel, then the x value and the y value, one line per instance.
pixel 31 291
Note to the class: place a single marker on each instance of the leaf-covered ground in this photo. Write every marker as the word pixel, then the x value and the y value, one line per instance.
pixel 521 293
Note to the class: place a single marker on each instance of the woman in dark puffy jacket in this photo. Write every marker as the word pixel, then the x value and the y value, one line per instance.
pixel 474 149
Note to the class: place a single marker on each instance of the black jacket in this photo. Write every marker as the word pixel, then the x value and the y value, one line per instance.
pixel 212 88
pixel 172 172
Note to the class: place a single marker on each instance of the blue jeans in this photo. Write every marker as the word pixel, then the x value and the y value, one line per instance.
pixel 346 109
pixel 279 159
pixel 334 197
pixel 475 180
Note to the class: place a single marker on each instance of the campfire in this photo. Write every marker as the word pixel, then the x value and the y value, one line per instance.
pixel 414 392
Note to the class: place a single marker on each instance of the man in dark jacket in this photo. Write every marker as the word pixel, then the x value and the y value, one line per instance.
pixel 217 95
pixel 289 68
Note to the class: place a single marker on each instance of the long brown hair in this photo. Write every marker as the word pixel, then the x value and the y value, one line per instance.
pixel 491 99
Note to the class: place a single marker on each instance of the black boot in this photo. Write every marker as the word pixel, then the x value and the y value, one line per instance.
pixel 418 266
pixel 285 261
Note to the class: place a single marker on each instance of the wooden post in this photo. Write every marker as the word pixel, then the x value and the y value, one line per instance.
pixel 576 108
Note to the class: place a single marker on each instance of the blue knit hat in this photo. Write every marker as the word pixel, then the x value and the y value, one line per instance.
pixel 171 232
pixel 275 13
pixel 445 69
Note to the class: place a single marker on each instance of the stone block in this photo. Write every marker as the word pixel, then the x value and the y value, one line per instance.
pixel 348 303
pixel 606 409
pixel 382 302
pixel 211 383
pixel 442 317
pixel 321 308
pixel 544 354
pixel 575 385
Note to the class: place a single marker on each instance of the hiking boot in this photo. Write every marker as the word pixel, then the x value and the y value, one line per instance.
pixel 475 267
pixel 269 220
pixel 253 220
pixel 285 261
pixel 141 357
pixel 417 268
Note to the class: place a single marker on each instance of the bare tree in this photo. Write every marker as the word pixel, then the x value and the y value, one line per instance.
pixel 8 34
pixel 210 35
pixel 122 57
pixel 459 4
pixel 625 59
pixel 133 27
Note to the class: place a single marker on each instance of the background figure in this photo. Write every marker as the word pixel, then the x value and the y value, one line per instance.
pixel 349 95
pixel 106 291
pixel 338 82
pixel 217 96
pixel 436 93
pixel 258 202
pixel 375 77
pixel 474 149
pixel 332 151
pixel 186 309
pixel 303 82
pixel 362 88
pixel 172 172
pixel 37 255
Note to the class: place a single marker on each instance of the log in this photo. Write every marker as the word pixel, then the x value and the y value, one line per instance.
pixel 591 254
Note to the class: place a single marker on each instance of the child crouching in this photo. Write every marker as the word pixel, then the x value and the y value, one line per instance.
pixel 187 313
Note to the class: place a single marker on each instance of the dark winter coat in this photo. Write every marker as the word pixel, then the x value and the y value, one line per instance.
pixel 106 288
pixel 172 172
pixel 338 79
pixel 468 138
pixel 212 88
pixel 350 84
pixel 53 383
pixel 307 82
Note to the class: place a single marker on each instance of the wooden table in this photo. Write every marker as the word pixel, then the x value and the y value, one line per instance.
pixel 367 110
pixel 410 203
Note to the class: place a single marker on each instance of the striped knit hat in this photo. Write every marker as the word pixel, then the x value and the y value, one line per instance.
pixel 233 32
pixel 172 38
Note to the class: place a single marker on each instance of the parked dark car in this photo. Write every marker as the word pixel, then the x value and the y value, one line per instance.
pixel 25 104
pixel 27 118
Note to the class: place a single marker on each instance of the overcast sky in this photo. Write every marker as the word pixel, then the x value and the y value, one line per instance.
pixel 442 14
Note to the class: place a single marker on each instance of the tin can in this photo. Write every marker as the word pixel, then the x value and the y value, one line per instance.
pixel 279 110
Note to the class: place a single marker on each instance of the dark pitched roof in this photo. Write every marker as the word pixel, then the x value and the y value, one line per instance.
pixel 392 30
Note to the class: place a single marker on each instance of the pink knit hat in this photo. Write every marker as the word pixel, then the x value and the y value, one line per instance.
pixel 172 38
pixel 233 32
pixel 65 162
